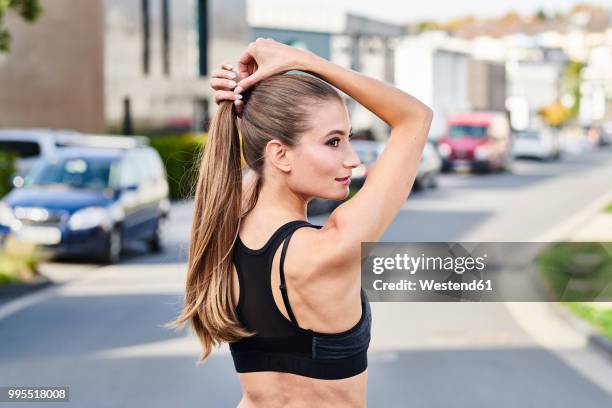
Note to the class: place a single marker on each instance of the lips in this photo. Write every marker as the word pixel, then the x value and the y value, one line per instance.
pixel 343 180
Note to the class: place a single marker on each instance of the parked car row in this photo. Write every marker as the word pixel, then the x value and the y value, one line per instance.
pixel 84 195
pixel 473 141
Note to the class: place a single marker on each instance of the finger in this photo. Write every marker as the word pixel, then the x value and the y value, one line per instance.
pixel 227 65
pixel 239 105
pixel 219 84
pixel 246 60
pixel 224 74
pixel 249 81
pixel 226 96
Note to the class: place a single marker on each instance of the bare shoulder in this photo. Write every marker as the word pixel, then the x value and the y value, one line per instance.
pixel 322 251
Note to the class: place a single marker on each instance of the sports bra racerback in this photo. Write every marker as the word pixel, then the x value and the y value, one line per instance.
pixel 281 344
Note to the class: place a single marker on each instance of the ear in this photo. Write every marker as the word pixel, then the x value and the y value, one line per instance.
pixel 278 155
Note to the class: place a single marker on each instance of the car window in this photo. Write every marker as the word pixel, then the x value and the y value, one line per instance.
pixel 157 166
pixel 141 164
pixel 146 164
pixel 73 172
pixel 529 134
pixel 472 131
pixel 23 149
pixel 150 164
pixel 128 172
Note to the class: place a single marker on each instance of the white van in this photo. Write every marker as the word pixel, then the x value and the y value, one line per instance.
pixel 32 144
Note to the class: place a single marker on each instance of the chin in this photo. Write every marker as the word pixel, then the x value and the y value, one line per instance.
pixel 336 194
pixel 339 196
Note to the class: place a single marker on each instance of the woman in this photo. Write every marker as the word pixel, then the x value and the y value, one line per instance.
pixel 296 318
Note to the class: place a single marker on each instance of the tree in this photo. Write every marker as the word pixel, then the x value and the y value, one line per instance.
pixel 29 10
pixel 541 15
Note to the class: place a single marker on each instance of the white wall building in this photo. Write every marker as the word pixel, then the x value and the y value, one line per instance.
pixel 351 41
pixel 435 69
pixel 159 55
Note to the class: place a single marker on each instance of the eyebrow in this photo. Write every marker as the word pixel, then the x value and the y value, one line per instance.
pixel 338 131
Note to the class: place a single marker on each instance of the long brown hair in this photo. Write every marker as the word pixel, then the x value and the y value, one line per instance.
pixel 275 108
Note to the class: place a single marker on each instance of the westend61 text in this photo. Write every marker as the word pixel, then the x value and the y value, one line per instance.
pixel 430 284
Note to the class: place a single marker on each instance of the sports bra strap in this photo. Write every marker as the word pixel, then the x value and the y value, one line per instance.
pixel 283 286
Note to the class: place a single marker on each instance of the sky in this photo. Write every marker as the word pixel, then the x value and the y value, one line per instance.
pixel 398 11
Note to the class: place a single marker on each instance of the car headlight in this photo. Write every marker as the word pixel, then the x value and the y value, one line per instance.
pixel 7 218
pixel 444 150
pixel 481 152
pixel 89 218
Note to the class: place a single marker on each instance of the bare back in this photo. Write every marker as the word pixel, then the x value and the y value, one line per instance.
pixel 321 303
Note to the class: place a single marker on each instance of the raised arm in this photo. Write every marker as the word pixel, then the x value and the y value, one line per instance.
pixel 368 214
pixel 390 181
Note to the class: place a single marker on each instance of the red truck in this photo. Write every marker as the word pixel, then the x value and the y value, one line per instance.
pixel 476 141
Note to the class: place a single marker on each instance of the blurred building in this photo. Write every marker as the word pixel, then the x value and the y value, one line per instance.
pixel 534 81
pixel 435 68
pixel 54 73
pixel 596 86
pixel 487 85
pixel 92 65
pixel 582 35
pixel 360 43
pixel 596 77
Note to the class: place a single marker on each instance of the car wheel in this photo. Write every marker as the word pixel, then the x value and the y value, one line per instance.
pixel 433 181
pixel 506 167
pixel 114 244
pixel 155 243
pixel 418 184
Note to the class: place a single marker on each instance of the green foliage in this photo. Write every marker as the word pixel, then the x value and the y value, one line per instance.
pixel 577 271
pixel 570 83
pixel 180 154
pixel 541 15
pixel 19 261
pixel 601 318
pixel 29 10
pixel 7 169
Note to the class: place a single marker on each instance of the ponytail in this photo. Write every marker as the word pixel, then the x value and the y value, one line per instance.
pixel 216 219
pixel 277 109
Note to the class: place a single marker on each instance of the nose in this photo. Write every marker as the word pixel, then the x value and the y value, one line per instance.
pixel 352 159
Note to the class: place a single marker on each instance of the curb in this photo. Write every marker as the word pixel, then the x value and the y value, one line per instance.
pixel 594 338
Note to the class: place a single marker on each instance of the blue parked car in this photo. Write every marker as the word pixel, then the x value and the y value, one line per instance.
pixel 90 201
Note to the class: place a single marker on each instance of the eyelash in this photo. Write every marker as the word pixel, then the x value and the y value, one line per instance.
pixel 338 139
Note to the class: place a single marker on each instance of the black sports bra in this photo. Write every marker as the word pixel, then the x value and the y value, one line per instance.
pixel 281 344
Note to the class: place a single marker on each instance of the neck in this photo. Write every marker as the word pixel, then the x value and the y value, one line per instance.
pixel 277 201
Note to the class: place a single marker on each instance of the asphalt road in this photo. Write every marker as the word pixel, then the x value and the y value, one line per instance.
pixel 99 332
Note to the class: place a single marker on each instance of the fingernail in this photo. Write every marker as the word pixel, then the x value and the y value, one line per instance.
pixel 238 89
pixel 229 66
pixel 232 75
pixel 237 96
pixel 232 83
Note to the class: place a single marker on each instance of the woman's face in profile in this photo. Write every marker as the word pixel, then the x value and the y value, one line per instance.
pixel 324 154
